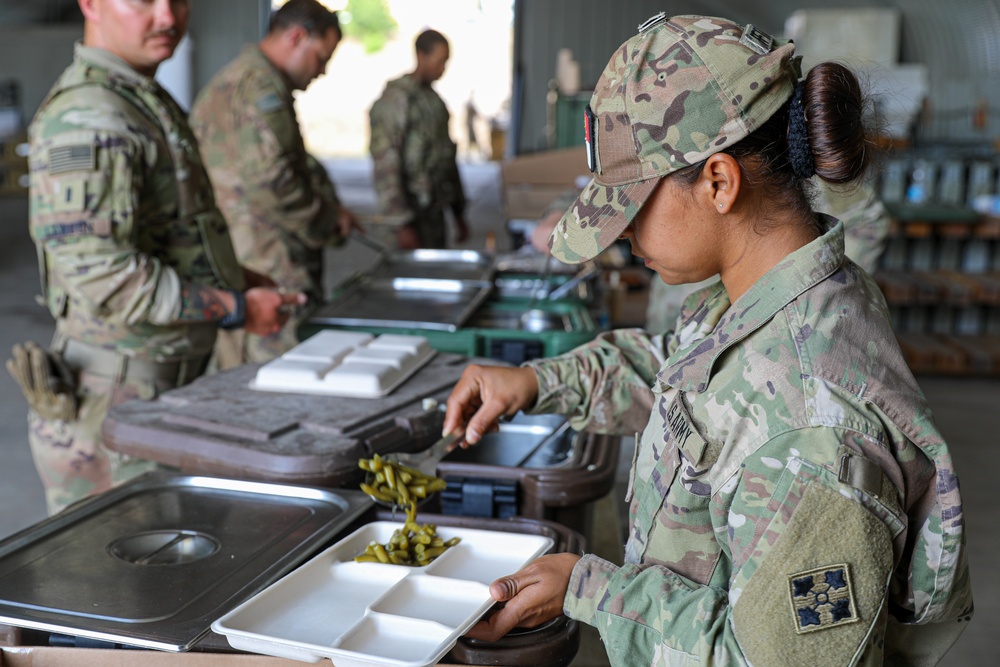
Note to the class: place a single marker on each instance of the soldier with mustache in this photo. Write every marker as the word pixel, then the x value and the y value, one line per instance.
pixel 136 262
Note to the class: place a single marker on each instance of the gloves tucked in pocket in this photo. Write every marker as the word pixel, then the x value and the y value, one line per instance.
pixel 45 381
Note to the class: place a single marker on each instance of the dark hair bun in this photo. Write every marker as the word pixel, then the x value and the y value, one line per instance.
pixel 834 109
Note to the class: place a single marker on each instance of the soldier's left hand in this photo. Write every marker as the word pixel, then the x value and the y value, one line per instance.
pixel 529 597
pixel 268 309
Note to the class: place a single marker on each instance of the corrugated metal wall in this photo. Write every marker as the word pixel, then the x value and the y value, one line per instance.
pixel 958 41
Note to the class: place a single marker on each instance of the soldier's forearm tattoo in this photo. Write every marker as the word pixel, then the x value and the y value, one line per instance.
pixel 201 304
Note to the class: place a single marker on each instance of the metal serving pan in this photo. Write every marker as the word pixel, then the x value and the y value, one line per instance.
pixel 418 303
pixel 535 320
pixel 437 264
pixel 155 561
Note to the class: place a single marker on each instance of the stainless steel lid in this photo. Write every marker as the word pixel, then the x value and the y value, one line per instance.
pixel 155 561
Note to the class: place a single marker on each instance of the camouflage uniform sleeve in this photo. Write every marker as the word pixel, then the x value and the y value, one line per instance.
pixel 603 386
pixel 811 564
pixel 86 220
pixel 283 182
pixel 866 220
pixel 388 127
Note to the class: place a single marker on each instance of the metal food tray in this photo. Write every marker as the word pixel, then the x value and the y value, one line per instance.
pixel 375 614
pixel 437 264
pixel 418 303
pixel 153 562
pixel 527 441
pixel 535 320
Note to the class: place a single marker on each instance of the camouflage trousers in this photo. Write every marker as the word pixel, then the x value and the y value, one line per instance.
pixel 432 228
pixel 71 460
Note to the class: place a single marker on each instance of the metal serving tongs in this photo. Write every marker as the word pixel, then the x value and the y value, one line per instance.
pixel 403 479
pixel 543 287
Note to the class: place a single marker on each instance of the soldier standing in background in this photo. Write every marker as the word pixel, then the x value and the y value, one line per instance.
pixel 136 262
pixel 416 177
pixel 281 206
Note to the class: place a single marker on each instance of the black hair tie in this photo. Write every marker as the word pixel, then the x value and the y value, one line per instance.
pixel 799 151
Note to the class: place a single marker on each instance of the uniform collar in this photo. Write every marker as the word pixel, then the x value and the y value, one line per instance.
pixel 717 325
pixel 106 60
pixel 254 52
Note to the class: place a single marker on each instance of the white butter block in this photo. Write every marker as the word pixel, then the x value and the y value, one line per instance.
pixel 330 346
pixel 413 344
pixel 345 363
pixel 395 357
pixel 291 373
pixel 360 379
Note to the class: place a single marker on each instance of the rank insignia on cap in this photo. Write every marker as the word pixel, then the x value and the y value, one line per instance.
pixel 590 137
pixel 652 22
pixel 822 598
pixel 756 40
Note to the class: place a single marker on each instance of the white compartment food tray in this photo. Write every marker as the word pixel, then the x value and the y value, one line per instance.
pixel 345 363
pixel 375 614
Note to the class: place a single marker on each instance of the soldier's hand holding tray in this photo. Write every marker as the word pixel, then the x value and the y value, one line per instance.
pixel 529 597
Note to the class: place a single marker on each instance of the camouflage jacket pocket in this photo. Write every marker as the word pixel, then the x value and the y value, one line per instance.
pixel 218 249
pixel 672 523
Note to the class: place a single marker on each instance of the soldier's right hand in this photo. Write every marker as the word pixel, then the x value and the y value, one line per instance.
pixel 486 393
pixel 268 309
pixel 407 237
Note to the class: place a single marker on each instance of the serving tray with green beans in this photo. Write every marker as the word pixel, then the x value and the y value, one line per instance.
pixel 362 614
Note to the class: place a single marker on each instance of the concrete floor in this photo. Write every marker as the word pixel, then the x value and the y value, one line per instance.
pixel 966 410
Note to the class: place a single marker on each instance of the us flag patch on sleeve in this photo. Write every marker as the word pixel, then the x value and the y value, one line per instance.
pixel 822 598
pixel 78 157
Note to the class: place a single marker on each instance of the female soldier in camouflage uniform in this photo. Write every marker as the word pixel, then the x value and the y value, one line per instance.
pixel 791 500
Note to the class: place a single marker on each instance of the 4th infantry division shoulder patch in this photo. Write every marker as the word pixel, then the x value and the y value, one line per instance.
pixel 822 598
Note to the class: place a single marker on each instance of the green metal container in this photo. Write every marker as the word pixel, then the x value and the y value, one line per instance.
pixel 512 330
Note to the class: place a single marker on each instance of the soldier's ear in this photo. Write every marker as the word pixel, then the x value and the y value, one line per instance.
pixel 720 182
pixel 89 9
pixel 296 34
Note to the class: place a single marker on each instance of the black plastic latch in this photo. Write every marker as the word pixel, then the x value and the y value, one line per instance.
pixel 488 498
pixel 516 352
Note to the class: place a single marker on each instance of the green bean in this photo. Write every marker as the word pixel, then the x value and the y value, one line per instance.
pixel 413 544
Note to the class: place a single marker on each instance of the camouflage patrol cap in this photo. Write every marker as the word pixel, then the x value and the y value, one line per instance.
pixel 681 90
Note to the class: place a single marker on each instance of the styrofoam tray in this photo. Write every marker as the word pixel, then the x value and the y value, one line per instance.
pixel 345 363
pixel 375 614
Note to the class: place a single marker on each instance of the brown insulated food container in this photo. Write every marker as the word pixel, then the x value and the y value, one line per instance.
pixel 535 466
